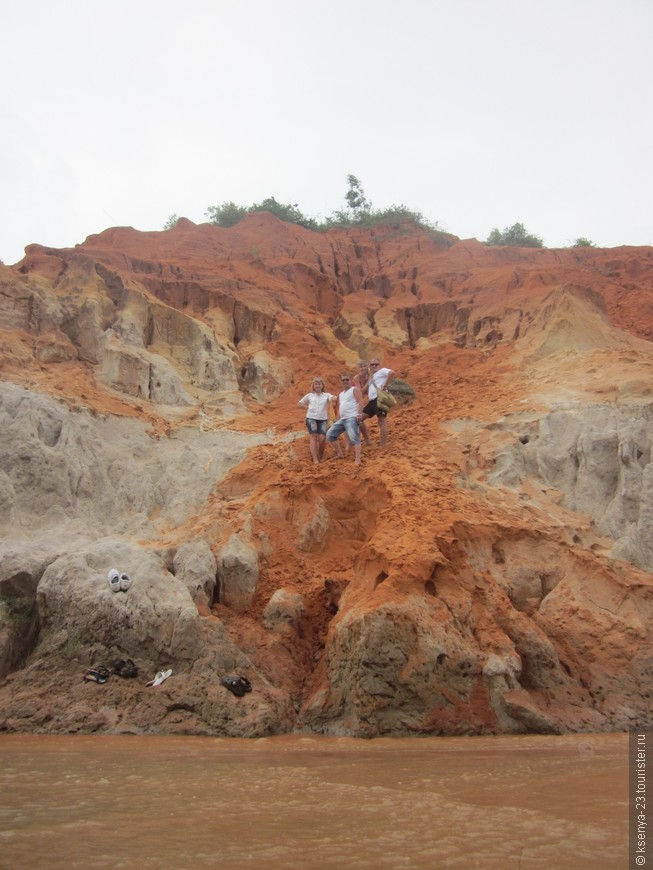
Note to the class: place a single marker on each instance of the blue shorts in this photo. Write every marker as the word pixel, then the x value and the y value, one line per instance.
pixel 349 425
pixel 316 427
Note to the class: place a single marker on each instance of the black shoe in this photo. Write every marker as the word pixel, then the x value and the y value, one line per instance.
pixel 238 685
pixel 123 668
pixel 96 675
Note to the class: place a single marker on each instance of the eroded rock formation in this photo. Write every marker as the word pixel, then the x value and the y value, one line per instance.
pixel 489 571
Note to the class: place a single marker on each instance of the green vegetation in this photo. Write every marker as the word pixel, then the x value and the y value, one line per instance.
pixel 288 213
pixel 356 201
pixel 229 214
pixel 357 212
pixel 226 215
pixel 515 236
pixel 402 390
pixel 17 611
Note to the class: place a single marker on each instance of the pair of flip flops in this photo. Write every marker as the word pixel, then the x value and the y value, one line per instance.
pixel 96 675
pixel 238 685
pixel 122 668
pixel 119 582
pixel 161 677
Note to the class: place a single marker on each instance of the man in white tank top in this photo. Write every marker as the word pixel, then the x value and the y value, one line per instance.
pixel 349 413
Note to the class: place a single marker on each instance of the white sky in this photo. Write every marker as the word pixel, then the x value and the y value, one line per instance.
pixel 478 113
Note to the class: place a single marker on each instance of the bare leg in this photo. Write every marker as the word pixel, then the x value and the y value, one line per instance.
pixel 357 453
pixel 383 430
pixel 321 443
pixel 337 448
pixel 314 449
pixel 362 428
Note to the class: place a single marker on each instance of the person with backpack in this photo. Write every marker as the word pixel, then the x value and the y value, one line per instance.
pixel 380 377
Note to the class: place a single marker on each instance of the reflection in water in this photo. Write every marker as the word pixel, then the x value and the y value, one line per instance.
pixel 295 802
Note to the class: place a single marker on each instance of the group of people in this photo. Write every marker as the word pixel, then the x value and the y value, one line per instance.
pixel 350 410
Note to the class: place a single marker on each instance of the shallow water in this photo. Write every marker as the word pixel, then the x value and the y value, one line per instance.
pixel 295 802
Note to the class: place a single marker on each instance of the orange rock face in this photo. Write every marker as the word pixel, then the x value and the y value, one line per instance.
pixel 487 571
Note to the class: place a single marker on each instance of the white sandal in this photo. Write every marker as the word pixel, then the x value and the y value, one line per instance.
pixel 161 677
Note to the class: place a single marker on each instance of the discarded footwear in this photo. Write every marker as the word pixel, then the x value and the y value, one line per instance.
pixel 161 677
pixel 122 668
pixel 114 580
pixel 96 675
pixel 119 582
pixel 238 685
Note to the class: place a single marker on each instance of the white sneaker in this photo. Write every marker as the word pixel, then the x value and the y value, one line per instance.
pixel 114 580
pixel 125 582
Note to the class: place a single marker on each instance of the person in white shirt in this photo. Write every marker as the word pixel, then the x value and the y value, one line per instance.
pixel 350 413
pixel 317 403
pixel 361 379
pixel 380 377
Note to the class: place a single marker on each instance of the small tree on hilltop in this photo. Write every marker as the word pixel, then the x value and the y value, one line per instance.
pixel 515 236
pixel 357 203
pixel 226 215
pixel 172 221
pixel 582 242
pixel 288 212
pixel 229 214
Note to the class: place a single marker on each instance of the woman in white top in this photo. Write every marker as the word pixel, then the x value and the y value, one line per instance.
pixel 317 403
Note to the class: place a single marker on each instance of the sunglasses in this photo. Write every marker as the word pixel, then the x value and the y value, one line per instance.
pixel 375 364
pixel 344 380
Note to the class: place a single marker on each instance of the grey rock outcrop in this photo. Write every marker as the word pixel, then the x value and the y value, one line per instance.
pixel 386 670
pixel 238 573
pixel 285 607
pixel 102 475
pixel 195 566
pixel 599 457
pixel 154 620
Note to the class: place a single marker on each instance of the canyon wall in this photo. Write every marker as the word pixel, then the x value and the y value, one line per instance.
pixel 488 571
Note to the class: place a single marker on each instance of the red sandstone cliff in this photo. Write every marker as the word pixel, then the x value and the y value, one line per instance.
pixel 489 571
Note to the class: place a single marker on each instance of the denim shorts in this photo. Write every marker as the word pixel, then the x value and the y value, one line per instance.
pixel 316 427
pixel 349 425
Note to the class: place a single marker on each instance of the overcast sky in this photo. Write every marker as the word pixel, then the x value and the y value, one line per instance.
pixel 478 113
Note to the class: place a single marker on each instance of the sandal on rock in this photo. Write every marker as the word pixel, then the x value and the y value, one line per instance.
pixel 114 580
pixel 123 668
pixel 160 678
pixel 96 675
pixel 238 685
